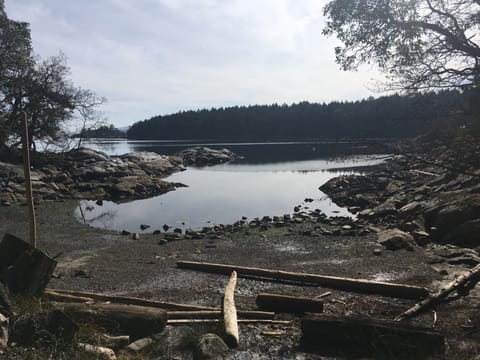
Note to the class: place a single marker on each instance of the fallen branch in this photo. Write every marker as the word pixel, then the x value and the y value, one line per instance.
pixel 230 312
pixel 127 300
pixel 289 304
pixel 217 314
pixel 347 284
pixel 465 280
pixel 213 321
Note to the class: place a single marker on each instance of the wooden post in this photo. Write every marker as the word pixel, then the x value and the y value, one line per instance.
pixel 28 182
pixel 230 313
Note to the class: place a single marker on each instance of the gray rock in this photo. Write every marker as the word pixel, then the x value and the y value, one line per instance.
pixel 396 239
pixel 140 345
pixel 210 347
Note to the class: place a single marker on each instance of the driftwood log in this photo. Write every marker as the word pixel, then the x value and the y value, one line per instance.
pixel 217 314
pixel 343 337
pixel 288 304
pixel 214 321
pixel 347 284
pixel 23 268
pixel 81 296
pixel 230 312
pixel 463 282
pixel 136 321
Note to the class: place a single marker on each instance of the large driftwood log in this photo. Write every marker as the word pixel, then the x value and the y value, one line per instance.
pixel 288 304
pixel 347 284
pixel 86 296
pixel 465 280
pixel 230 312
pixel 136 321
pixel 23 268
pixel 348 338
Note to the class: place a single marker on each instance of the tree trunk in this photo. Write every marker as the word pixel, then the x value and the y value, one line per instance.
pixel 352 338
pixel 346 284
pixel 288 304
pixel 23 268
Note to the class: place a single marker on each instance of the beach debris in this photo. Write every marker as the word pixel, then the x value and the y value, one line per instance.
pixel 288 304
pixel 341 283
pixel 230 312
pixel 354 338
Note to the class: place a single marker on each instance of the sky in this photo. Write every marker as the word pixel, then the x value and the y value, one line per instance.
pixel 156 57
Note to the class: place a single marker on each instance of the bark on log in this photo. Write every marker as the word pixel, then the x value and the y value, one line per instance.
pixel 346 284
pixel 213 321
pixel 136 321
pixel 217 314
pixel 130 300
pixel 230 312
pixel 465 280
pixel 329 336
pixel 288 304
pixel 23 268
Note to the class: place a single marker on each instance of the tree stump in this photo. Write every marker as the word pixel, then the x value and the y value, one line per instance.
pixel 23 268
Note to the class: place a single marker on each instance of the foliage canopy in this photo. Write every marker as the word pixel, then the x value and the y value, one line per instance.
pixel 41 88
pixel 419 44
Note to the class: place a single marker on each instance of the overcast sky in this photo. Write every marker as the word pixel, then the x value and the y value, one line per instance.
pixel 151 57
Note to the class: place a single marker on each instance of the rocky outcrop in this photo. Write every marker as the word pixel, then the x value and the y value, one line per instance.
pixel 432 192
pixel 89 174
pixel 204 156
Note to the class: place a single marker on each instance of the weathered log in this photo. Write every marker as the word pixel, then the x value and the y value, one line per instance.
pixel 23 268
pixel 133 320
pixel 347 284
pixel 129 300
pixel 214 321
pixel 217 314
pixel 345 337
pixel 54 296
pixel 230 312
pixel 288 304
pixel 465 280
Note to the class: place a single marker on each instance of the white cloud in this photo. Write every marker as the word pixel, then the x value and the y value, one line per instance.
pixel 153 57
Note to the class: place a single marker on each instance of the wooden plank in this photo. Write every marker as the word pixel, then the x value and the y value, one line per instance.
pixel 28 182
pixel 288 304
pixel 343 337
pixel 346 284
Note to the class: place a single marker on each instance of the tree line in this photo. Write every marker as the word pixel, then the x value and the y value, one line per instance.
pixel 383 117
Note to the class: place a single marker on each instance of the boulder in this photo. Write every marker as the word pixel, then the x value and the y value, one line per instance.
pixel 204 156
pixel 210 347
pixel 396 239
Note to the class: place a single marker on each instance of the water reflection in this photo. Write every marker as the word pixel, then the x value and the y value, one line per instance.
pixel 223 194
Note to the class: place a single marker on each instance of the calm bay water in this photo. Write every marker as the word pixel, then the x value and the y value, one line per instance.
pixel 272 179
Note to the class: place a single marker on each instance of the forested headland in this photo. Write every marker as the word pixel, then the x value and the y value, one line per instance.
pixel 393 116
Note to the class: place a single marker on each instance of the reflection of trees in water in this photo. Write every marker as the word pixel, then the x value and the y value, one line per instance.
pixel 105 217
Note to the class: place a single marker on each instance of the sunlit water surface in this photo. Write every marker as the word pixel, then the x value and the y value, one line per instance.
pixel 271 180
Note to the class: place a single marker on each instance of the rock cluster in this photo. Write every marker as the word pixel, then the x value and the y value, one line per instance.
pixel 203 156
pixel 88 174
pixel 433 195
